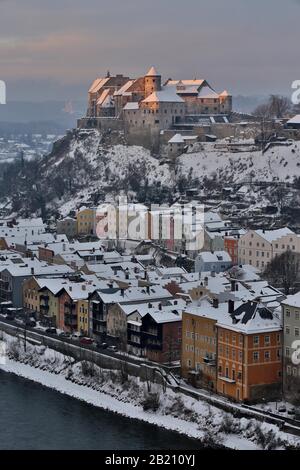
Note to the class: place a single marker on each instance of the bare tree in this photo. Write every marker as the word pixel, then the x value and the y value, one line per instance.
pixel 276 107
pixel 284 271
pixel 279 105
pixel 262 111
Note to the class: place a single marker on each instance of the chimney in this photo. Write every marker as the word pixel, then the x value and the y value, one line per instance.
pixel 216 303
pixel 70 288
pixel 213 274
pixel 230 306
pixel 148 289
pixel 159 306
pixel 32 271
pixel 122 292
pixel 149 305
pixel 232 285
pixel 83 287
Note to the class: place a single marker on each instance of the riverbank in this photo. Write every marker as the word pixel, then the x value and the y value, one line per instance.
pixel 126 396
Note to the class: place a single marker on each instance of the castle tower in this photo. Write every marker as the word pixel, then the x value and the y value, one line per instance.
pixel 152 82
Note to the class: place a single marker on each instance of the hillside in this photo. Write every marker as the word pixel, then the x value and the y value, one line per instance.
pixel 84 166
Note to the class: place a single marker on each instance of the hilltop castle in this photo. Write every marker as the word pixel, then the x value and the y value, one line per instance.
pixel 144 107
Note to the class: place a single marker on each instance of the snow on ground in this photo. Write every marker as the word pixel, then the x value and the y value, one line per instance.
pixel 125 395
pixel 280 163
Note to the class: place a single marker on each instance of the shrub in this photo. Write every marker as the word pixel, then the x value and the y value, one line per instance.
pixel 150 402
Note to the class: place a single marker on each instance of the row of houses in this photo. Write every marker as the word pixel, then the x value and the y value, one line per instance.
pixel 254 247
pixel 227 328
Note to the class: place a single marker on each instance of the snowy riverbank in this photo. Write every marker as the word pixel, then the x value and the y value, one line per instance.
pixel 125 395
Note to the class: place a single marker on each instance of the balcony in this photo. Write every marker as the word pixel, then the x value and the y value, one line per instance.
pixel 99 320
pixel 208 361
pixel 71 321
pixel 227 379
pixel 44 298
pixel 70 306
pixel 44 308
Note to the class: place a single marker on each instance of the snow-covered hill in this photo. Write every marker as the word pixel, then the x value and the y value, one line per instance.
pixel 85 165
pixel 280 163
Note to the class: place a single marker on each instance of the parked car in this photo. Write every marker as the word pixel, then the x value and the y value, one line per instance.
pixel 76 335
pixel 112 348
pixel 291 411
pixel 102 345
pixel 20 321
pixel 64 334
pixel 85 340
pixel 282 409
pixel 31 323
pixel 51 331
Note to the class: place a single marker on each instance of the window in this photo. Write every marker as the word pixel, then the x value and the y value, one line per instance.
pixel 278 353
pixel 267 339
pixel 287 330
pixel 255 340
pixel 287 352
pixel 296 331
pixel 278 339
pixel 287 313
pixel 255 356
pixel 296 315
pixel 267 355
pixel 288 370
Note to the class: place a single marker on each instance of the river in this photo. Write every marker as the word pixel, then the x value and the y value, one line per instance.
pixel 34 417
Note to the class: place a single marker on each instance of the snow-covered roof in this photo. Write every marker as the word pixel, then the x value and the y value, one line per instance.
pixel 165 95
pixel 152 72
pixel 176 139
pixel 250 318
pixel 195 82
pixel 207 92
pixel 135 294
pixel 216 256
pixel 272 235
pixel 124 88
pixel 133 105
pixel 294 120
pixel 292 300
pixel 98 84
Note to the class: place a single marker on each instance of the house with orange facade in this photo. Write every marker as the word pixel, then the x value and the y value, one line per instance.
pixel 231 245
pixel 249 352
pixel 199 343
pixel 232 348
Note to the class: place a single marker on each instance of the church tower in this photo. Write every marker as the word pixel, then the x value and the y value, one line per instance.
pixel 152 82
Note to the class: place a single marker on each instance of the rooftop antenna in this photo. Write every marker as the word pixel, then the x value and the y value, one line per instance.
pixel 108 74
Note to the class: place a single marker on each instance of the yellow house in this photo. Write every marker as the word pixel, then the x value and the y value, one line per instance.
pixel 83 316
pixel 31 298
pixel 49 305
pixel 199 346
pixel 3 244
pixel 86 221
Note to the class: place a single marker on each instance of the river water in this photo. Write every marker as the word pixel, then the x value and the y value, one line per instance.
pixel 34 417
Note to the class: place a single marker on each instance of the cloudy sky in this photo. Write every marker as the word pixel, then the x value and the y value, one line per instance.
pixel 55 48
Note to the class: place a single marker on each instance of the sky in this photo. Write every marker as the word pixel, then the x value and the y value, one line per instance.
pixel 53 49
